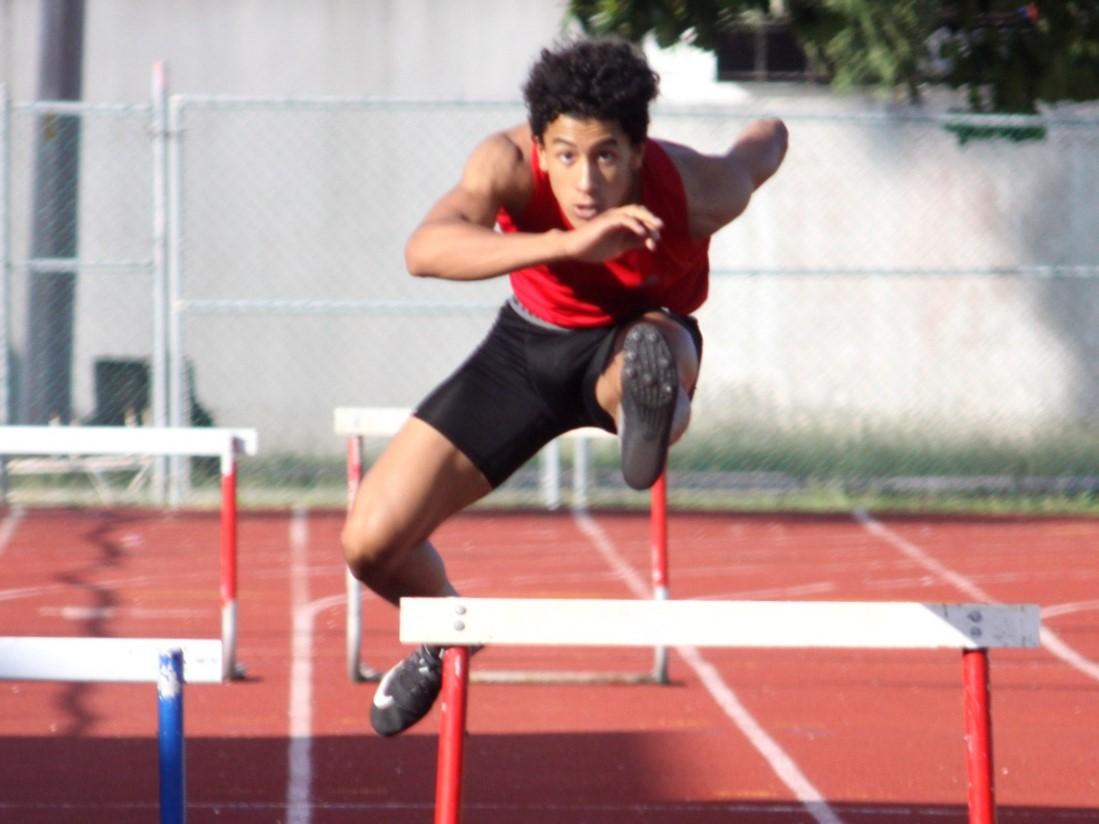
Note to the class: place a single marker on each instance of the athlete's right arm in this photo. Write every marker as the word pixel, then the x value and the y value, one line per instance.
pixel 456 239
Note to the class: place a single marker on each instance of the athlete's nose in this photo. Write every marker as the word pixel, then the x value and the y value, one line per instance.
pixel 585 181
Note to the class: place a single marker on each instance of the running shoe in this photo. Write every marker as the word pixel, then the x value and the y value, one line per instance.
pixel 405 693
pixel 650 385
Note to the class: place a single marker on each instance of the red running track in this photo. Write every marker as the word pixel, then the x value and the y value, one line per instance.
pixel 740 736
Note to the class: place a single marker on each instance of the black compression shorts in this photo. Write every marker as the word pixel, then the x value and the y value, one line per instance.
pixel 521 388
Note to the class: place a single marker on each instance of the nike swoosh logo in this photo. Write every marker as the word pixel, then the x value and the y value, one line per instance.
pixel 382 698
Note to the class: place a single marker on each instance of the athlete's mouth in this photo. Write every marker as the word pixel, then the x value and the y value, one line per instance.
pixel 585 212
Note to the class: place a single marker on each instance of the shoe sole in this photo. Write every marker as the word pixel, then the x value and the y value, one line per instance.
pixel 650 384
pixel 387 716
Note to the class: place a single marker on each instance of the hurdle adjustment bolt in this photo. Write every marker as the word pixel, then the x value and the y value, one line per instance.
pixel 975 616
pixel 459 610
pixel 974 632
pixel 459 625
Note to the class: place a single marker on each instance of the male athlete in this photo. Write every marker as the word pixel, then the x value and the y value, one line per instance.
pixel 605 235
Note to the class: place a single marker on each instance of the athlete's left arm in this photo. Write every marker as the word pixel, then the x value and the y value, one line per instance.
pixel 719 187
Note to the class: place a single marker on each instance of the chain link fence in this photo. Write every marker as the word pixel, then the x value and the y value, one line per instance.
pixel 903 310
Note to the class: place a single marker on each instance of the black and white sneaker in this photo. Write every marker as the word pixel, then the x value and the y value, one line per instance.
pixel 650 386
pixel 405 693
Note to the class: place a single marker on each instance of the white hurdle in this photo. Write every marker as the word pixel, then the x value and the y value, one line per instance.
pixel 459 623
pixel 226 444
pixel 167 662
pixel 360 423
pixel 36 658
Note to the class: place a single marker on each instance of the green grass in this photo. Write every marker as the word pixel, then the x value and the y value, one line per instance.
pixel 828 455
pixel 734 468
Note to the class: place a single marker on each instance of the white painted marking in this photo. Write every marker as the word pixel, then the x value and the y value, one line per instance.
pixel 9 525
pixel 300 754
pixel 818 588
pixel 913 552
pixel 132 540
pixel 780 762
pixel 1053 644
pixel 134 582
pixel 1050 640
pixel 1068 609
pixel 79 613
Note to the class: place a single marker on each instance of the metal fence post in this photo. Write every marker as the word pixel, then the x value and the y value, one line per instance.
pixel 177 391
pixel 5 272
pixel 5 253
pixel 159 361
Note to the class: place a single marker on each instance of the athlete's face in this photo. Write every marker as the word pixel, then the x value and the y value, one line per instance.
pixel 592 165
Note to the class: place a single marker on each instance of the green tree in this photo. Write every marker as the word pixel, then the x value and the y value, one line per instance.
pixel 1007 56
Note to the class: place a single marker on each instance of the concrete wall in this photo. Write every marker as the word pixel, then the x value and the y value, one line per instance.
pixel 407 48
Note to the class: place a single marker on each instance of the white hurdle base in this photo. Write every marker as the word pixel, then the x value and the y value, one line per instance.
pixel 460 623
pixel 30 658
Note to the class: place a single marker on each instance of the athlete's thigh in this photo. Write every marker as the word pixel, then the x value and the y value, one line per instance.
pixel 418 481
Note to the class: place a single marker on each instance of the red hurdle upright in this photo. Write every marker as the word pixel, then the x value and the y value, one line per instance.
pixel 229 533
pixel 458 623
pixel 658 538
pixel 452 701
pixel 978 736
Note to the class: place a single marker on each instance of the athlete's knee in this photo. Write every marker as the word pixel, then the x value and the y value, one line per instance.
pixel 371 544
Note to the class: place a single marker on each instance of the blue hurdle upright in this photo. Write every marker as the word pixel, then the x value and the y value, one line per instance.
pixel 168 663
pixel 169 702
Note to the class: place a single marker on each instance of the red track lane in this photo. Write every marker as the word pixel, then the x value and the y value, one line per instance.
pixel 878 734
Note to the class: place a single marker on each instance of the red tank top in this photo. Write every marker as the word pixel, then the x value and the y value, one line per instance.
pixel 573 294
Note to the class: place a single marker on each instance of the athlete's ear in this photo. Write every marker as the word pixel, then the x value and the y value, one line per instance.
pixel 637 154
pixel 540 147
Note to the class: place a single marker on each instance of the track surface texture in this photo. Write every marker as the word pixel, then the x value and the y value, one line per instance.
pixel 776 737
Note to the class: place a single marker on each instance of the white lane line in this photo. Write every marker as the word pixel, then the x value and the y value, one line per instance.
pixel 1050 640
pixel 9 525
pixel 109 583
pixel 1068 609
pixel 300 755
pixel 81 613
pixel 777 593
pixel 780 762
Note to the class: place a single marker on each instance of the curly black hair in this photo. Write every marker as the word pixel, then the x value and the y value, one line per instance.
pixel 600 78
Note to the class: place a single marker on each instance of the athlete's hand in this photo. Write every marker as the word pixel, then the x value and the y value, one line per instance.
pixel 613 232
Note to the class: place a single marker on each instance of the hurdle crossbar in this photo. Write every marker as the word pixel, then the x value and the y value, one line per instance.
pixel 459 623
pixel 167 662
pixel 226 444
pixel 359 423
pixel 124 440
pixel 34 658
